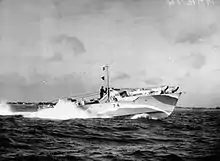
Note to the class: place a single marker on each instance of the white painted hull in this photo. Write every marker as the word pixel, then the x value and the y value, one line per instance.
pixel 155 106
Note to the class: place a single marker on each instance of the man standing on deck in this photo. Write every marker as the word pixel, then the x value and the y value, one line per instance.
pixel 102 92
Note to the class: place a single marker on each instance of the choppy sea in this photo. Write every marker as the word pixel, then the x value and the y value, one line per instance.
pixel 49 135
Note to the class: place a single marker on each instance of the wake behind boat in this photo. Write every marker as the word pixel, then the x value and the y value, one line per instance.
pixel 155 103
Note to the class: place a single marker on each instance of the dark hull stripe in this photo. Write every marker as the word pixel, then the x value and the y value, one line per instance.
pixel 164 99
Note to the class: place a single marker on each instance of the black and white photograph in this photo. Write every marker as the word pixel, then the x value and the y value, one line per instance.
pixel 109 80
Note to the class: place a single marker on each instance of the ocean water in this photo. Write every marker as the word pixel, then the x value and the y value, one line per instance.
pixel 65 133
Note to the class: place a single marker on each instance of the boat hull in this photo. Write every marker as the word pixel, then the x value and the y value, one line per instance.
pixel 155 106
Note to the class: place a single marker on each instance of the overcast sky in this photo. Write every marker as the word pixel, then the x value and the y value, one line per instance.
pixel 55 48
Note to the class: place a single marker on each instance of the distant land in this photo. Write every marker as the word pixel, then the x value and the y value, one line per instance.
pixel 195 108
pixel 31 103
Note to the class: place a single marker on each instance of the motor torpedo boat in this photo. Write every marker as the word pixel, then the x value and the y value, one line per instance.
pixel 155 103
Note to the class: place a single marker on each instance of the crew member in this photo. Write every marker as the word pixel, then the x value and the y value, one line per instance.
pixel 102 92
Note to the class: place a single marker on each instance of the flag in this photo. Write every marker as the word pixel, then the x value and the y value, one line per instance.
pixel 105 67
pixel 103 77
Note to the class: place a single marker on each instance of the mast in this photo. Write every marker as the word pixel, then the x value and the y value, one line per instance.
pixel 106 69
pixel 108 90
pixel 108 86
pixel 107 80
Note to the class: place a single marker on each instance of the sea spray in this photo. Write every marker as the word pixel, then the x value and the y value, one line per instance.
pixel 5 109
pixel 137 116
pixel 143 115
pixel 63 110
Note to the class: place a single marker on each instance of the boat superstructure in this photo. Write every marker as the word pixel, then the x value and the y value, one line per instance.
pixel 158 102
pixel 126 103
